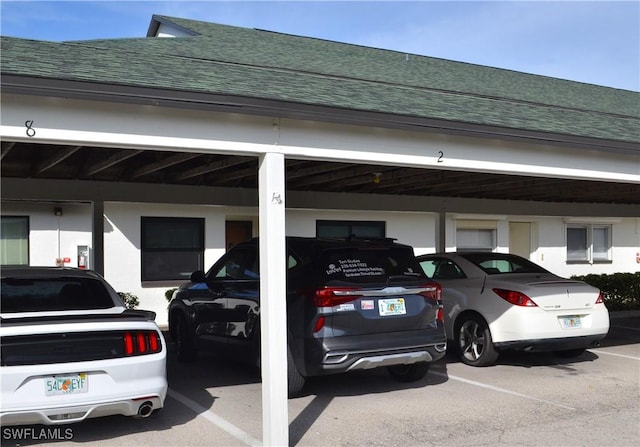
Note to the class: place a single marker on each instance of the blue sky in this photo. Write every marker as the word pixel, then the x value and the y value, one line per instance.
pixel 596 42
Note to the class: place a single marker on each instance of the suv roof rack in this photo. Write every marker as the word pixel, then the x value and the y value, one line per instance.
pixel 353 237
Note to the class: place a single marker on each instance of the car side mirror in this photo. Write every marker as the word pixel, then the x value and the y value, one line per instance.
pixel 198 276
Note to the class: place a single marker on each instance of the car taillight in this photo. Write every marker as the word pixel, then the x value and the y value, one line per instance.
pixel 128 344
pixel 433 291
pixel 440 314
pixel 334 296
pixel 319 324
pixel 154 342
pixel 600 299
pixel 141 342
pixel 515 298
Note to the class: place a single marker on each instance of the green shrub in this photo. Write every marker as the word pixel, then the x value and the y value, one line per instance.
pixel 168 294
pixel 130 301
pixel 621 291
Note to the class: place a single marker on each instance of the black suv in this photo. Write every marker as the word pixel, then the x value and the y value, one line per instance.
pixel 351 304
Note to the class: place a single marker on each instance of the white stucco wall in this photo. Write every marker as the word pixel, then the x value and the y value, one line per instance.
pixel 52 236
pixel 122 267
pixel 552 253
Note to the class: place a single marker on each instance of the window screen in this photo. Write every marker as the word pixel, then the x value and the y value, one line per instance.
pixel 476 240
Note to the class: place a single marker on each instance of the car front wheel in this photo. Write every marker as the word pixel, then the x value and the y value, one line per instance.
pixel 475 343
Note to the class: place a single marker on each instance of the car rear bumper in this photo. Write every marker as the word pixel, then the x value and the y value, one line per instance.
pixel 142 407
pixel 342 354
pixel 114 386
pixel 551 344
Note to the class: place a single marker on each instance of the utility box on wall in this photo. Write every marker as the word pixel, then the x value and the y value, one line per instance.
pixel 83 257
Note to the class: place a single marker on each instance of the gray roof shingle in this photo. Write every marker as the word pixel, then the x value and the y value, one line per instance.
pixel 241 62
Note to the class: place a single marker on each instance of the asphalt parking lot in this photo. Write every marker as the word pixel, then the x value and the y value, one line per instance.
pixel 525 400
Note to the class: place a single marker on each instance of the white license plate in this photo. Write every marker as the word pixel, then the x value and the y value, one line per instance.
pixel 392 306
pixel 570 322
pixel 67 384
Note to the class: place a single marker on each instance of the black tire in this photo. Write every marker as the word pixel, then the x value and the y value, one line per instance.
pixel 409 373
pixel 295 380
pixel 474 342
pixel 570 353
pixel 185 345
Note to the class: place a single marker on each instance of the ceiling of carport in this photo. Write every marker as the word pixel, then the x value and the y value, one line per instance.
pixel 43 161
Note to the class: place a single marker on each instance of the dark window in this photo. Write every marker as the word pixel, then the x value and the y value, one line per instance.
pixel 495 263
pixel 172 247
pixel 441 269
pixel 346 228
pixel 368 264
pixel 53 294
pixel 14 240
pixel 239 263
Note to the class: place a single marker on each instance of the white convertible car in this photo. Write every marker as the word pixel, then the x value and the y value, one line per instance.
pixel 495 302
pixel 72 351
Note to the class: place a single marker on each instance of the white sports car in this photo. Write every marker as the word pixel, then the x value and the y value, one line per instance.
pixel 71 351
pixel 496 301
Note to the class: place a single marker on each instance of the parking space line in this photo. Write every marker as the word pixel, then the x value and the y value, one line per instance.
pixel 501 390
pixel 214 418
pixel 598 351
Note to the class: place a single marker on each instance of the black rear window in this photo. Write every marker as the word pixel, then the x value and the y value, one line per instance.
pixel 496 263
pixel 372 264
pixel 53 294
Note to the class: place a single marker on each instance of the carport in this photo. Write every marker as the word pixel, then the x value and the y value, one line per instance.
pixel 281 134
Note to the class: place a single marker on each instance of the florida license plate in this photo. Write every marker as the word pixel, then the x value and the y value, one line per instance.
pixel 392 306
pixel 67 384
pixel 570 322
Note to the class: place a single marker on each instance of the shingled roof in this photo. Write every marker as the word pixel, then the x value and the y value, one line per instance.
pixel 239 64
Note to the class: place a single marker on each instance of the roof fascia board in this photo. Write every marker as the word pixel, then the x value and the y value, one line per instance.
pixel 28 85
pixel 157 21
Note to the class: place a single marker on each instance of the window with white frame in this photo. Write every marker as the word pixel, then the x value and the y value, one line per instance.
pixel 14 240
pixel 476 234
pixel 480 239
pixel 588 243
pixel 172 247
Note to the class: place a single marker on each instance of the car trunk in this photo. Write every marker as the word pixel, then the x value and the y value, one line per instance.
pixel 563 294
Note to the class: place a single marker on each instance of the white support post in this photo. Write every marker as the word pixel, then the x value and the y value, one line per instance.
pixel 273 318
